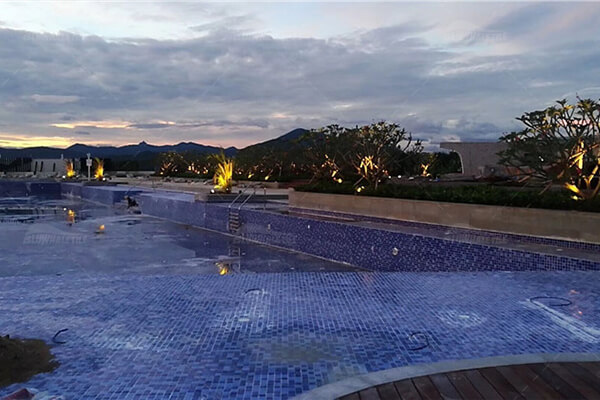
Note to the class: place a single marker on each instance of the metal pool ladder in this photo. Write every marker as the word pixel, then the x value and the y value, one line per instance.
pixel 233 219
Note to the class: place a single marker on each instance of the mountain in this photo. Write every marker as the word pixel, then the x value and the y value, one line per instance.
pixel 80 150
pixel 279 142
pixel 143 150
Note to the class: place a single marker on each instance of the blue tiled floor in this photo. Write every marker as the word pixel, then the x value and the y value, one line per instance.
pixel 271 336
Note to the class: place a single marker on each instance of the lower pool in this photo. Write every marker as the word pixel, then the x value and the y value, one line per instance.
pixel 40 236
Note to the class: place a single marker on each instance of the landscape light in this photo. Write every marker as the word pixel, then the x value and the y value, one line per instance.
pixel 99 173
pixel 69 168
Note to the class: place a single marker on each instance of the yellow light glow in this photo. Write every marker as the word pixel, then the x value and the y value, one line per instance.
pixel 99 173
pixel 223 268
pixel 71 216
pixel 101 228
pixel 572 188
pixel 367 164
pixel 425 170
pixel 250 175
pixel 223 178
pixel 267 177
pixel 69 168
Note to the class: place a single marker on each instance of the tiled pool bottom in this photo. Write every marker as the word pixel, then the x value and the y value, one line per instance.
pixel 271 336
pixel 40 236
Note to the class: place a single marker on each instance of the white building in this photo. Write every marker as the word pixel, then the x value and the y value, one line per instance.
pixel 52 166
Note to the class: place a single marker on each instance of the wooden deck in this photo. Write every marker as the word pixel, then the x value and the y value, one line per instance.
pixel 529 381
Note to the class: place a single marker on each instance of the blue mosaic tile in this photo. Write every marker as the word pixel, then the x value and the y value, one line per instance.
pixel 215 337
pixel 370 248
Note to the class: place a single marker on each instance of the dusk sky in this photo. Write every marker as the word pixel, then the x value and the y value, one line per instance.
pixel 233 74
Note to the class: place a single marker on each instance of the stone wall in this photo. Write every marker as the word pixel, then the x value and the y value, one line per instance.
pixel 569 225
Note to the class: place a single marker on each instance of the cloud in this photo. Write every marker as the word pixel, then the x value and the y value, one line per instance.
pixel 235 86
pixel 54 99
pixel 234 24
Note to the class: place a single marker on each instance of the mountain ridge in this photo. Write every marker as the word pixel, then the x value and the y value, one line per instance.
pixel 79 150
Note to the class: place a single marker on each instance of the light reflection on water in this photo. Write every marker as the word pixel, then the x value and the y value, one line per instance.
pixel 67 236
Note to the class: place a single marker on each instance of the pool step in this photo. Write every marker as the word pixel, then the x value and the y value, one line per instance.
pixel 233 222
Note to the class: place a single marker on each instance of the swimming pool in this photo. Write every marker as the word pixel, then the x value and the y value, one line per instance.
pixel 149 314
pixel 40 236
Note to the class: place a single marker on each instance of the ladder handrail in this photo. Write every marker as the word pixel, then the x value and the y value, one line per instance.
pixel 237 197
pixel 247 198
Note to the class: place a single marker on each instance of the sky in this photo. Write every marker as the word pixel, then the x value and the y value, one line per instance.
pixel 233 74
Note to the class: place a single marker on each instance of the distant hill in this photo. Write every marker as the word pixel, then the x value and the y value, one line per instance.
pixel 134 151
pixel 280 142
pixel 143 156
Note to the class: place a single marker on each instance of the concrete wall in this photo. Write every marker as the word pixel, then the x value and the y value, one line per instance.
pixel 570 225
pixel 478 158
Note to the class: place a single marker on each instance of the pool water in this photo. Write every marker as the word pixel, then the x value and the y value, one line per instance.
pixel 40 236
pixel 149 309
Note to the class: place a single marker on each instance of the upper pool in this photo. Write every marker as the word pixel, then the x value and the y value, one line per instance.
pixel 41 235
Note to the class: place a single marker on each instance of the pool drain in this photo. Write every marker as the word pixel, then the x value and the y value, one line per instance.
pixel 55 336
pixel 421 337
pixel 255 291
pixel 564 302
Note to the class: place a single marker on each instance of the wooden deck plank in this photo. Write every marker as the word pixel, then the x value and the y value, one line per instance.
pixel 464 386
pixel 501 384
pixel 593 368
pixel 569 380
pixel 369 394
pixel 536 382
pixel 520 384
pixel 388 392
pixel 482 385
pixel 559 384
pixel 444 386
pixel 407 390
pixel 582 387
pixel 584 374
pixel 426 388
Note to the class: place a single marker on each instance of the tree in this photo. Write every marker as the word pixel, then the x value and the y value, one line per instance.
pixel 171 163
pixel 379 147
pixel 326 153
pixel 559 145
pixel 365 154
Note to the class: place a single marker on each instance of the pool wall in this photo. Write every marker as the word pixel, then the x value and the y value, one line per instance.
pixel 108 195
pixel 25 188
pixel 369 248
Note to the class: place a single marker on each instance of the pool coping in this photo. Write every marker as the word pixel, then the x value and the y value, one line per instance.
pixel 357 383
